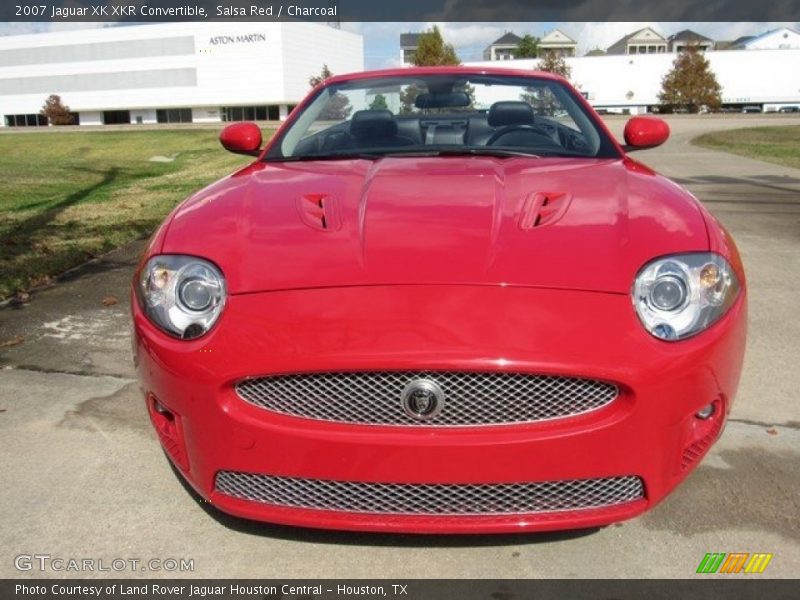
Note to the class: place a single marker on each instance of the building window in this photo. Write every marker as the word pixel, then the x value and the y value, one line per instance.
pixel 116 117
pixel 174 115
pixel 261 112
pixel 29 120
pixel 408 56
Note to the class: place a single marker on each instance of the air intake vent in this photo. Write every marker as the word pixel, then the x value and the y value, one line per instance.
pixel 431 498
pixel 695 451
pixel 543 208
pixel 318 211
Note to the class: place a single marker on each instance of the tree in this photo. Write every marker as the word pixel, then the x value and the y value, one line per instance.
pixel 379 103
pixel 56 112
pixel 338 106
pixel 541 98
pixel 691 83
pixel 555 63
pixel 315 80
pixel 528 47
pixel 433 51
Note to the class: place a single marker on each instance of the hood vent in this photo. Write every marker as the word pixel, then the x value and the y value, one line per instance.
pixel 319 211
pixel 543 208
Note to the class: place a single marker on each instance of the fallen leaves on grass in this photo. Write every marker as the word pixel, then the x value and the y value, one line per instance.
pixel 110 301
pixel 41 281
pixel 772 431
pixel 20 298
pixel 15 341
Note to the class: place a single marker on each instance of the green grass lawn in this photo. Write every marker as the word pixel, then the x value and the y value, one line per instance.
pixel 772 144
pixel 69 196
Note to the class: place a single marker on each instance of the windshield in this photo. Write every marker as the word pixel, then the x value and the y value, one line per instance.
pixel 443 114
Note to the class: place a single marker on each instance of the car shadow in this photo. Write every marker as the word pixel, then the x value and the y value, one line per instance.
pixel 352 538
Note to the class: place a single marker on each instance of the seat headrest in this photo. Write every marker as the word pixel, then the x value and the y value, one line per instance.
pixel 510 112
pixel 372 124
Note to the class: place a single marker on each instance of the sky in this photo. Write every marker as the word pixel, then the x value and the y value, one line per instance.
pixel 382 40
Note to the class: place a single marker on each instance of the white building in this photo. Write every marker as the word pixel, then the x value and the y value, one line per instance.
pixel 408 48
pixel 775 39
pixel 631 82
pixel 168 72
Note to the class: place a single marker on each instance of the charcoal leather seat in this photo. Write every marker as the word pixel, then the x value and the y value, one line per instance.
pixel 376 129
pixel 515 125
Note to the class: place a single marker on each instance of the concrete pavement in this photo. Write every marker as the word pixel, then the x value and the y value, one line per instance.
pixel 84 476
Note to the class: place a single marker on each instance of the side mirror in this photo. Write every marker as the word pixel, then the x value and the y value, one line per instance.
pixel 645 132
pixel 241 138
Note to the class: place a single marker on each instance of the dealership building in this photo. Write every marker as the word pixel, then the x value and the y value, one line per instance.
pixel 170 72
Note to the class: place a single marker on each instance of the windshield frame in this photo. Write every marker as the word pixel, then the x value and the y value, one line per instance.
pixel 608 147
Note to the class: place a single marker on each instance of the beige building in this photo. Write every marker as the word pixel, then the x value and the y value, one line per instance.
pixel 559 43
pixel 644 41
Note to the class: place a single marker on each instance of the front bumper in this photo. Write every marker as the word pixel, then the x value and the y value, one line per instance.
pixel 650 431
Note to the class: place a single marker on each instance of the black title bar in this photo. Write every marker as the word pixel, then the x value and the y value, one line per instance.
pixel 148 11
pixel 703 587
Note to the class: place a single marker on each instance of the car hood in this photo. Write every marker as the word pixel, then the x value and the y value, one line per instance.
pixel 587 224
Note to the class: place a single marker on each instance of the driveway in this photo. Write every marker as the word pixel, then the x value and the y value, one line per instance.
pixel 84 476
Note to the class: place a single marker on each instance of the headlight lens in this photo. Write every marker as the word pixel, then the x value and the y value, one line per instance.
pixel 679 296
pixel 183 295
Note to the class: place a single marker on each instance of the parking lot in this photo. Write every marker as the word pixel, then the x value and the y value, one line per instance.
pixel 84 476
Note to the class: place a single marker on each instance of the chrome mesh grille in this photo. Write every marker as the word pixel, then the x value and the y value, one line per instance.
pixel 429 498
pixel 374 398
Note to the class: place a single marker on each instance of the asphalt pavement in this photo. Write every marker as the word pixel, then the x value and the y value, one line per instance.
pixel 84 477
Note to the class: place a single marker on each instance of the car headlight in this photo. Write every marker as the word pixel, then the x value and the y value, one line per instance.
pixel 681 295
pixel 182 295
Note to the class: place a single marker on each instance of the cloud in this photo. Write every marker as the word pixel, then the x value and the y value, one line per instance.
pixel 17 28
pixel 469 34
pixel 391 63
pixel 601 35
pixel 23 28
pixel 69 26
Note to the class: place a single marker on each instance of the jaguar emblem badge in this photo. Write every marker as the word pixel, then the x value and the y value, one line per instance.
pixel 422 399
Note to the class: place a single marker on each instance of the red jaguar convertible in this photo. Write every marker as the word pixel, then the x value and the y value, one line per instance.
pixel 440 300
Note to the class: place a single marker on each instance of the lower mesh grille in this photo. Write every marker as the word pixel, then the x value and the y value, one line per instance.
pixel 467 399
pixel 429 498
